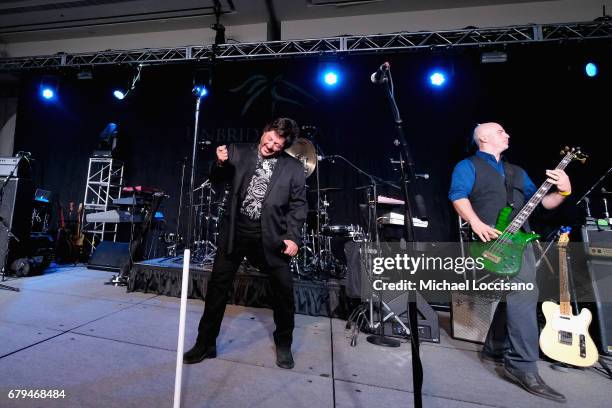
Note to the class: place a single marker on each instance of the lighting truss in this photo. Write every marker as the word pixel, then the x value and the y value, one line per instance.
pixel 470 37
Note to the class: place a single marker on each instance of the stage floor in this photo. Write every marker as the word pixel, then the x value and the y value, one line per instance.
pixel 105 347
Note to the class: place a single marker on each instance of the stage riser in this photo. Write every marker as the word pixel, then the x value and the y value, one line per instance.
pixel 311 298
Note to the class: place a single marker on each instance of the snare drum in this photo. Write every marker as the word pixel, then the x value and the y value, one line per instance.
pixel 344 231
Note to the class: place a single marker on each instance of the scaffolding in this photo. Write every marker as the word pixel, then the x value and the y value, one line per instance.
pixel 104 183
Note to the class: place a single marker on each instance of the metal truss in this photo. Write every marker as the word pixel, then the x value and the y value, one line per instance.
pixel 470 37
pixel 104 183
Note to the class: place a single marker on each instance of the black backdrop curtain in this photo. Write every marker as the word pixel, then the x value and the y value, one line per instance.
pixel 541 96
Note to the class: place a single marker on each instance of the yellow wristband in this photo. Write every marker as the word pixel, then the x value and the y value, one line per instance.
pixel 564 193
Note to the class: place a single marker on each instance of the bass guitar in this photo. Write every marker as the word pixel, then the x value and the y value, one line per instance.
pixel 504 255
pixel 565 337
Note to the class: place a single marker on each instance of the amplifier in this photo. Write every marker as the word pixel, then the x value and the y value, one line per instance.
pixel 471 316
pixel 598 245
pixel 600 251
pixel 598 242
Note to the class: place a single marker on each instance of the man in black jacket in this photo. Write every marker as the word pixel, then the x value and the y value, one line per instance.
pixel 267 209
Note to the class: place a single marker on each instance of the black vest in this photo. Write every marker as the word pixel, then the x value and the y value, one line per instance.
pixel 489 194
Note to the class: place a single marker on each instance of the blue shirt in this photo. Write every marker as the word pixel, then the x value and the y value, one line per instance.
pixel 464 177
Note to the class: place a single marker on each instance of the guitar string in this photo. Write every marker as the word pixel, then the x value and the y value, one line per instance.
pixel 505 237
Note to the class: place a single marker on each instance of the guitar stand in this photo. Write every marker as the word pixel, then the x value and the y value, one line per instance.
pixel 603 363
pixel 562 367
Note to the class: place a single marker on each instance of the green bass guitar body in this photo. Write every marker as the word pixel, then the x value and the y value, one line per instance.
pixel 503 256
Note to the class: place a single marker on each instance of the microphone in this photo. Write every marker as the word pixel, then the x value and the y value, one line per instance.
pixel 380 75
pixel 422 175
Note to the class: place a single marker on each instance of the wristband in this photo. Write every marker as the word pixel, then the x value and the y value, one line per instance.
pixel 564 193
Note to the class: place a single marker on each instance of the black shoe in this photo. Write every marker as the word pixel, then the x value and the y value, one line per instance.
pixel 284 358
pixel 199 353
pixel 533 383
pixel 491 358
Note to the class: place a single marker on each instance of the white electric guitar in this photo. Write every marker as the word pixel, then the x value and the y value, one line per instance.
pixel 565 337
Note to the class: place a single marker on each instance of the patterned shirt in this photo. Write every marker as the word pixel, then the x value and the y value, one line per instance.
pixel 256 191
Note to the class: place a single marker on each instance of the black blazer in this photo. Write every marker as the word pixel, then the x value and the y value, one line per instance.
pixel 284 207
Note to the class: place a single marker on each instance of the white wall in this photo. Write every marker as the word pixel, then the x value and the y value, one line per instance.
pixel 487 16
pixel 8 118
pixel 158 39
pixel 563 11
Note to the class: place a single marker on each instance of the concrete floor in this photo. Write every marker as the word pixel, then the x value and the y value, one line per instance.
pixel 66 330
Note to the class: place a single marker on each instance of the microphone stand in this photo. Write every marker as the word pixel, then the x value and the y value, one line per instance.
pixel 379 339
pixel 409 190
pixel 180 207
pixel 594 185
pixel 9 234
pixel 186 260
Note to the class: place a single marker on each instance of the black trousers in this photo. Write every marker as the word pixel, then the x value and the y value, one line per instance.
pixel 220 285
pixel 514 332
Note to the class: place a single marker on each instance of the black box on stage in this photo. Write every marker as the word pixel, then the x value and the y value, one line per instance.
pixel 110 256
pixel 598 245
pixel 16 219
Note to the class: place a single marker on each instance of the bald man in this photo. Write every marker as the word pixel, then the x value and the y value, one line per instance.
pixel 481 186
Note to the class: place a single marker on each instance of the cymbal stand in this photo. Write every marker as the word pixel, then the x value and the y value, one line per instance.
pixel 324 255
pixel 204 249
pixel 174 248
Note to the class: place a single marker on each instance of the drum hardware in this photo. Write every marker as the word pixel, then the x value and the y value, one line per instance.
pixel 205 225
pixel 315 259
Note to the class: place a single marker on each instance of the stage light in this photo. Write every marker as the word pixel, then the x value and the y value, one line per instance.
pixel 437 78
pixel 48 89
pixel 591 69
pixel 330 78
pixel 200 91
pixel 122 93
pixel 47 93
pixel 119 94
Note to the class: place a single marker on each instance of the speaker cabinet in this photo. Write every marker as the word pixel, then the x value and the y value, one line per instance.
pixel 110 256
pixel 15 219
pixel 598 244
pixel 471 316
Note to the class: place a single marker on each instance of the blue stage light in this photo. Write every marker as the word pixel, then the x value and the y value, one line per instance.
pixel 47 93
pixel 200 91
pixel 119 94
pixel 590 69
pixel 437 78
pixel 330 78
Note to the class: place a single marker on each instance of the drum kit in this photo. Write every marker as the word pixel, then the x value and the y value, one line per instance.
pixel 317 258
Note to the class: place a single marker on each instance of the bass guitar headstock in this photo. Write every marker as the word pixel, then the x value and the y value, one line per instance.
pixel 575 152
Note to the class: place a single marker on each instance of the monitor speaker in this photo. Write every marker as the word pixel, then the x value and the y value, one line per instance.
pixel 110 256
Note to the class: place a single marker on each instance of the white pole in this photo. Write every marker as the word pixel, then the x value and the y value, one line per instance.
pixel 181 336
pixel 198 93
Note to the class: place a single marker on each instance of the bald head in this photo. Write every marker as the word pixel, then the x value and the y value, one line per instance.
pixel 491 138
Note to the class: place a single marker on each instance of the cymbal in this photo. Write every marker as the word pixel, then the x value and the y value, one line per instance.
pixel 303 150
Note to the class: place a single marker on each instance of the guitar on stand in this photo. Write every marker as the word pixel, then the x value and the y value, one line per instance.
pixel 79 238
pixel 565 337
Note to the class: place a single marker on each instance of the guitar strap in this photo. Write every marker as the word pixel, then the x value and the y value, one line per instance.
pixel 509 182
